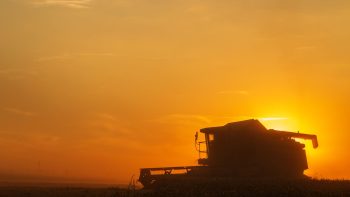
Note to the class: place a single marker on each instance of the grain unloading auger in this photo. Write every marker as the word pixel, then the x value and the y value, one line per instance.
pixel 244 149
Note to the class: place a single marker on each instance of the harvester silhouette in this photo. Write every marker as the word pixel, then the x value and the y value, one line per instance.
pixel 244 149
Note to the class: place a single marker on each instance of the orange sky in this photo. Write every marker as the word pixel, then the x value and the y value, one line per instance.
pixel 95 89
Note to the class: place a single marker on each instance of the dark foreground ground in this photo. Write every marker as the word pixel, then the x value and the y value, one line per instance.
pixel 247 188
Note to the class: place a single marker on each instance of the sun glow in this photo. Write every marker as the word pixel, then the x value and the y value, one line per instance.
pixel 314 156
pixel 279 123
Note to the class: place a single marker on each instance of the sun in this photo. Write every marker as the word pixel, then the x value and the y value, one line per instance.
pixel 279 123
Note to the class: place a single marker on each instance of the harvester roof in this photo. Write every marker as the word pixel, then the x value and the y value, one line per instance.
pixel 253 126
pixel 245 125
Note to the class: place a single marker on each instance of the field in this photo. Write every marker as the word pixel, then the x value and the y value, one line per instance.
pixel 246 188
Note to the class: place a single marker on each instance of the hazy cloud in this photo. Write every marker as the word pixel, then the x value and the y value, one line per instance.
pixel 71 56
pixel 105 124
pixel 17 73
pixel 63 3
pixel 184 119
pixel 19 112
pixel 239 92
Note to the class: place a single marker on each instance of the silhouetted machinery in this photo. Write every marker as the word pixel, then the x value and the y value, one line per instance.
pixel 244 149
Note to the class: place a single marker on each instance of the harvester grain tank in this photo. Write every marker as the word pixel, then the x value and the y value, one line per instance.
pixel 244 149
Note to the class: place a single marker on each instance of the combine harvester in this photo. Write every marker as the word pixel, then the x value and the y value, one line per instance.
pixel 239 150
